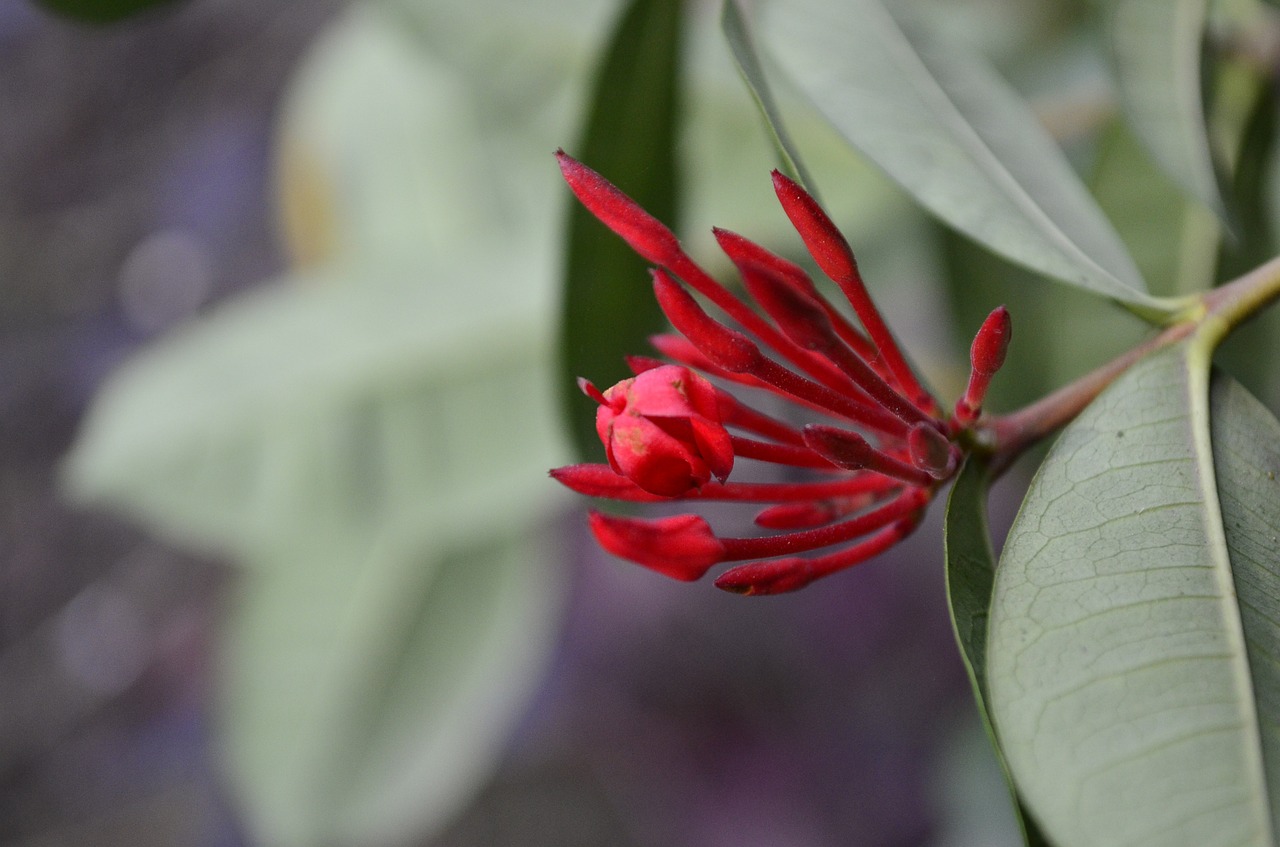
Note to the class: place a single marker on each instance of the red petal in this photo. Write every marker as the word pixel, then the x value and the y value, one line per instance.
pixel 681 547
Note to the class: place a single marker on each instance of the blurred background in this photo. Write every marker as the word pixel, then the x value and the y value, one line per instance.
pixel 280 380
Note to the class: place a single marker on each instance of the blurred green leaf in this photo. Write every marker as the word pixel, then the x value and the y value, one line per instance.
pixel 361 449
pixel 1173 239
pixel 317 408
pixel 366 714
pixel 733 21
pixel 609 308
pixel 1133 620
pixel 955 137
pixel 971 567
pixel 101 11
pixel 1155 53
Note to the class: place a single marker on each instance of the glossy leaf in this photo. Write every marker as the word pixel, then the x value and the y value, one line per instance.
pixel 1132 632
pixel 956 138
pixel 609 308
pixel 102 11
pixel 1155 53
pixel 971 566
pixel 733 20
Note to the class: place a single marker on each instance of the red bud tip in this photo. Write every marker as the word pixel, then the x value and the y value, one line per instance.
pixel 992 342
pixel 779 576
pixel 798 316
pixel 601 481
pixel 931 452
pixel 851 451
pixel 681 547
pixel 727 348
pixel 743 252
pixel 585 386
pixel 640 364
pixel 641 230
pixel 824 241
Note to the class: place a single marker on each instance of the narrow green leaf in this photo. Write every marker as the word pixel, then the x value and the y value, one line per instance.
pixel 971 567
pixel 1132 688
pixel 101 11
pixel 609 308
pixel 733 20
pixel 956 138
pixel 1155 54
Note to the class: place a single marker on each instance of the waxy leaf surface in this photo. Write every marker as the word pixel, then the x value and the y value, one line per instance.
pixel 971 567
pixel 956 137
pixel 1133 631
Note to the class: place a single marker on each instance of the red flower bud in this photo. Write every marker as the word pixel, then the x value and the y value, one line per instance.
pixel 681 547
pixel 661 429
pixel 986 356
pixel 642 231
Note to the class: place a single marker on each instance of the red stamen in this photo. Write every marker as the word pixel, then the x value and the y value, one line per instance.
pixel 681 547
pixel 591 391
pixel 834 256
pixel 851 451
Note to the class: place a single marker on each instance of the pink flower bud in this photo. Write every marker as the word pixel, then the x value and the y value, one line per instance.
pixel 662 430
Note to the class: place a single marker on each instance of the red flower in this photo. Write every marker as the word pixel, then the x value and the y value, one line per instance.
pixel 662 430
pixel 874 453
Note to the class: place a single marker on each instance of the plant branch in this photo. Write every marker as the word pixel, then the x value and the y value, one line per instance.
pixel 1004 438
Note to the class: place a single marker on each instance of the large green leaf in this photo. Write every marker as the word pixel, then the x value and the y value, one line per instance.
pixel 318 407
pixel 1134 621
pixel 366 713
pixel 956 138
pixel 609 308
pixel 971 567
pixel 1155 53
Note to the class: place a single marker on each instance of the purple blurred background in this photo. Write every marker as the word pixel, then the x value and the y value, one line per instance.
pixel 135 192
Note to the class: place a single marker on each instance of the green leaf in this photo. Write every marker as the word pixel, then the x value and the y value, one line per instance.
pixel 1155 54
pixel 956 138
pixel 101 11
pixel 609 308
pixel 376 456
pixel 1173 239
pixel 367 712
pixel 733 20
pixel 1133 624
pixel 318 407
pixel 971 567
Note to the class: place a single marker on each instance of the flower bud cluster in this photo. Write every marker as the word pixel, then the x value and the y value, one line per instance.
pixel 873 454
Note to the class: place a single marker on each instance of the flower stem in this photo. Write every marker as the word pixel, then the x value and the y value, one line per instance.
pixel 1220 311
